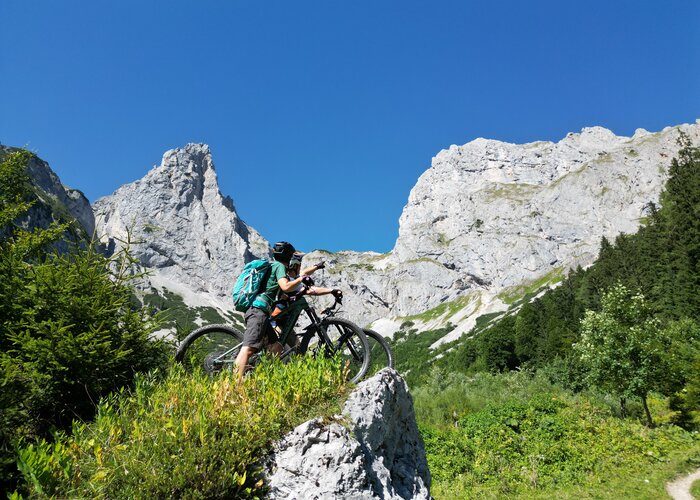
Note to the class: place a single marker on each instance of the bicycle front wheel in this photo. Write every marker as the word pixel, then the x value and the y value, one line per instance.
pixel 380 352
pixel 337 336
pixel 210 348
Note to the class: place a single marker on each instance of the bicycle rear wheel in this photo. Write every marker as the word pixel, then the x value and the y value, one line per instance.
pixel 380 352
pixel 210 348
pixel 338 336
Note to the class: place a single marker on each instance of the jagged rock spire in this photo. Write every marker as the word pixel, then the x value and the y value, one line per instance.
pixel 183 228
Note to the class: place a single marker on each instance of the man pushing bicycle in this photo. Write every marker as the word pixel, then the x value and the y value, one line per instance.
pixel 306 288
pixel 258 331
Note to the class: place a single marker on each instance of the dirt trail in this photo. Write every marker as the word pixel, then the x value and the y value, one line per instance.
pixel 680 488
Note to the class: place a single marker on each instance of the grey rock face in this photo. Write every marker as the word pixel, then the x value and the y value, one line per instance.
pixel 488 216
pixel 380 453
pixel 54 199
pixel 181 227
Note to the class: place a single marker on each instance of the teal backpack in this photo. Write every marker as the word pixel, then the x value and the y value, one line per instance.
pixel 250 283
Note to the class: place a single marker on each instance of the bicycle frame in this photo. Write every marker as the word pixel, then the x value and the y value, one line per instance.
pixel 291 316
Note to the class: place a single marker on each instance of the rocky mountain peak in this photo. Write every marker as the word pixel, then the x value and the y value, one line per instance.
pixel 54 199
pixel 490 220
pixel 181 226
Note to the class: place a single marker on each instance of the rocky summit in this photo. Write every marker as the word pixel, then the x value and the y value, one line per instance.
pixel 54 200
pixel 181 228
pixel 486 223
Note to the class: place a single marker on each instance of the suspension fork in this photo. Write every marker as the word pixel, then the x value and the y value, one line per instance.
pixel 317 325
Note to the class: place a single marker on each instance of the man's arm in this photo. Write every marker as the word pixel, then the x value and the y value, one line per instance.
pixel 313 269
pixel 317 290
pixel 288 286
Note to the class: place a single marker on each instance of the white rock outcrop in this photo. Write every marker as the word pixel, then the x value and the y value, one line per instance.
pixel 374 450
pixel 182 228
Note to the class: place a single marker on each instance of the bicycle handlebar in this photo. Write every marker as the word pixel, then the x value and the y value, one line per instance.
pixel 328 311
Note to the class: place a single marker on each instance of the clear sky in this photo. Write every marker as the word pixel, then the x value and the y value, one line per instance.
pixel 321 115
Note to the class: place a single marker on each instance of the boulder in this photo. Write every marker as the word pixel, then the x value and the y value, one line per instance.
pixel 372 450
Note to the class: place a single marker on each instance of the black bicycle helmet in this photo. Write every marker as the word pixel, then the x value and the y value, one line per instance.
pixel 283 251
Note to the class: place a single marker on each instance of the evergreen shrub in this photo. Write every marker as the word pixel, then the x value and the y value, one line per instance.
pixel 68 333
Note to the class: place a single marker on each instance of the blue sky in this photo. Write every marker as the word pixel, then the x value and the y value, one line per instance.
pixel 331 109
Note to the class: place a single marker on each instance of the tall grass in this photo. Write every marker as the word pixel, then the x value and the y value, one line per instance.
pixel 516 435
pixel 184 436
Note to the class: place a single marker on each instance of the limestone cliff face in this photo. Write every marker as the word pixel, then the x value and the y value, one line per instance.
pixel 181 227
pixel 54 199
pixel 490 216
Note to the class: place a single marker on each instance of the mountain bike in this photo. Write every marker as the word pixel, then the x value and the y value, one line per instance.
pixel 380 352
pixel 214 348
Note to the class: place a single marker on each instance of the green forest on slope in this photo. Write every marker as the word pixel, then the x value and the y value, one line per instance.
pixel 590 390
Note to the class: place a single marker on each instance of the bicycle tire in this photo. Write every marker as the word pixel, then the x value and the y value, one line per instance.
pixel 380 352
pixel 210 348
pixel 347 339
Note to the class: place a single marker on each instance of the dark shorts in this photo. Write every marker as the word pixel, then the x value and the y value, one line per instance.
pixel 258 330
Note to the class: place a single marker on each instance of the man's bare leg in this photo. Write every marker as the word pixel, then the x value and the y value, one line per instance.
pixel 242 361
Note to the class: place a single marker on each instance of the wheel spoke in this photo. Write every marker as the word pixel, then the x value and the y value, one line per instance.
pixel 380 352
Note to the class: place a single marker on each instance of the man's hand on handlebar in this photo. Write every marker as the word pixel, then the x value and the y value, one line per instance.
pixel 338 294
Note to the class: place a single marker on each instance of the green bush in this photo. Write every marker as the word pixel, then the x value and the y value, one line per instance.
pixel 185 436
pixel 446 397
pixel 412 353
pixel 695 489
pixel 70 337
pixel 68 333
pixel 516 435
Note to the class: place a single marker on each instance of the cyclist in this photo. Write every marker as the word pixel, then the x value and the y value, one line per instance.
pixel 258 331
pixel 307 288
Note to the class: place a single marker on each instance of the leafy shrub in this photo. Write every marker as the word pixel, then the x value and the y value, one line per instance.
pixel 695 489
pixel 624 348
pixel 515 435
pixel 68 333
pixel 412 353
pixel 446 397
pixel 185 436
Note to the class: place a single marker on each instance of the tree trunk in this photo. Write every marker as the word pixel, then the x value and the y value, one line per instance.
pixel 623 408
pixel 650 422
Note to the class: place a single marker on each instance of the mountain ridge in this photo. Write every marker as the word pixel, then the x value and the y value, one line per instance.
pixel 487 219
